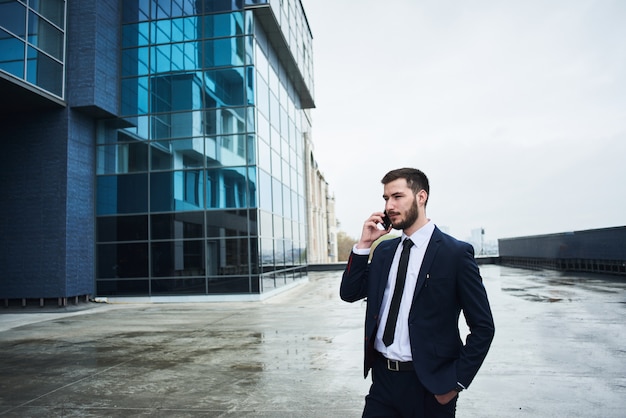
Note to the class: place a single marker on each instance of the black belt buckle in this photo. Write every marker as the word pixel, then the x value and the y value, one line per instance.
pixel 393 365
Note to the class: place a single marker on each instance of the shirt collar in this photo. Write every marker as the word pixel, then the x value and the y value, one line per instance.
pixel 422 235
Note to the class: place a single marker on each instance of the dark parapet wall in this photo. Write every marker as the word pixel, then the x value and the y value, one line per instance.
pixel 594 250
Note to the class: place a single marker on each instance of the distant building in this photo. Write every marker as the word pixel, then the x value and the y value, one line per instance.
pixel 155 148
pixel 593 250
pixel 322 244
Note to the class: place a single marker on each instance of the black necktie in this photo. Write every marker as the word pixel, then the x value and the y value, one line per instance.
pixel 394 308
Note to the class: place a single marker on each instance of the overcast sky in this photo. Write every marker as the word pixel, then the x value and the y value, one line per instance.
pixel 516 110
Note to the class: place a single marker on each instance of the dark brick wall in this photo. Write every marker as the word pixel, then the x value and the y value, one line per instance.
pixel 93 56
pixel 33 173
pixel 47 167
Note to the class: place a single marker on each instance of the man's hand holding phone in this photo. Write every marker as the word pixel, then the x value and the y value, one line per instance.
pixel 377 225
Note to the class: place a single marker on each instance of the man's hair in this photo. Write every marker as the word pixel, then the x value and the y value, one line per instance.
pixel 416 180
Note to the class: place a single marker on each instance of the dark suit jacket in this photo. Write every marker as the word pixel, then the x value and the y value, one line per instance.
pixel 449 281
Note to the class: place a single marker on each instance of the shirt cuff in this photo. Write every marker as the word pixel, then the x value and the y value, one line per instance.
pixel 360 251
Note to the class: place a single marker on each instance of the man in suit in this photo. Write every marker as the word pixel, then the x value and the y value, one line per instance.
pixel 412 340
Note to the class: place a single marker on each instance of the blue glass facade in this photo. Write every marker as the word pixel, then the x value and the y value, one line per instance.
pixel 32 43
pixel 200 180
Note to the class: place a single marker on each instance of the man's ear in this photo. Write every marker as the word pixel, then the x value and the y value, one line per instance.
pixel 422 197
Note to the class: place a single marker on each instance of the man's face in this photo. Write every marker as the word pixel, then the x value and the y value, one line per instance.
pixel 401 204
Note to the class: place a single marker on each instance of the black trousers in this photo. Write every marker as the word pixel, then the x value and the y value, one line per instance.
pixel 400 394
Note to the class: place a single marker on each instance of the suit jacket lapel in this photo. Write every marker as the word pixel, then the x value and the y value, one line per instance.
pixel 429 257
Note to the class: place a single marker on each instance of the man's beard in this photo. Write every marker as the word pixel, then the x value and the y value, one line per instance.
pixel 411 217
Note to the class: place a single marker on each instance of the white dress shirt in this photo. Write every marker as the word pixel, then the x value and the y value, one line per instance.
pixel 400 349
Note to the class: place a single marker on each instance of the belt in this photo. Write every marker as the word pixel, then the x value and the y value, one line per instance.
pixel 395 365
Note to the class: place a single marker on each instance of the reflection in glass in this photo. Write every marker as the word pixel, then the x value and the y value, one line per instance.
pixel 45 36
pixel 226 257
pixel 122 228
pixel 179 286
pixel 13 18
pixel 177 258
pixel 11 54
pixel 176 191
pixel 227 188
pixel 122 158
pixel 122 260
pixel 122 287
pixel 179 225
pixel 43 71
pixel 126 193
pixel 230 223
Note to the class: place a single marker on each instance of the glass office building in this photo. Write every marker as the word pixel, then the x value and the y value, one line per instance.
pixel 195 113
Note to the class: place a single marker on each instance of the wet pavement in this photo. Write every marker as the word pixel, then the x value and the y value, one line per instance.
pixel 559 351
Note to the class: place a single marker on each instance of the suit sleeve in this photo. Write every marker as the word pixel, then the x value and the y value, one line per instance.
pixel 354 282
pixel 477 312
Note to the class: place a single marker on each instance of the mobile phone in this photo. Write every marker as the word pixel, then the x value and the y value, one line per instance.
pixel 386 221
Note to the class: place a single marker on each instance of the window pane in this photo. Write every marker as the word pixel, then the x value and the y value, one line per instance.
pixel 226 150
pixel 134 96
pixel 135 61
pixel 226 257
pixel 232 223
pixel 45 36
pixel 223 52
pixel 177 154
pixel 122 260
pixel 177 225
pixel 122 228
pixel 122 158
pixel 11 54
pixel 44 72
pixel 265 190
pixel 177 258
pixel 221 285
pixel 221 25
pixel 176 92
pixel 53 10
pixel 179 286
pixel 226 86
pixel 135 11
pixel 127 193
pixel 267 253
pixel 122 287
pixel 137 34
pixel 176 191
pixel 13 18
pixel 227 188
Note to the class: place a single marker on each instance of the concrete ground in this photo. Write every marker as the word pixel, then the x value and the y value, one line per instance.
pixel 559 351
